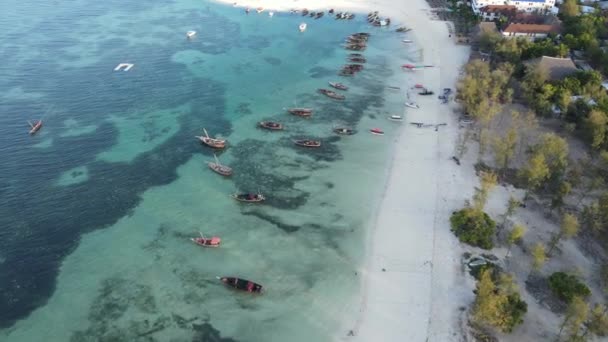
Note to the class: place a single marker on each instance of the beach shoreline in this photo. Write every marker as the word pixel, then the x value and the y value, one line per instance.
pixel 411 270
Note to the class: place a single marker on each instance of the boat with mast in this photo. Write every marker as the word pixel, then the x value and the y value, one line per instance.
pixel 206 242
pixel 219 168
pixel 211 142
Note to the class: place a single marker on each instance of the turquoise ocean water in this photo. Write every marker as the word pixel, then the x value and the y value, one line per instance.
pixel 98 207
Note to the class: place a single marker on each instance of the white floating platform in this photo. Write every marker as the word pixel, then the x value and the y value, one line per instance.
pixel 124 67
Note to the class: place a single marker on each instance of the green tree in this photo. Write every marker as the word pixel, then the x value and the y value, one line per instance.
pixel 473 227
pixel 569 9
pixel 515 235
pixel 539 256
pixel 557 201
pixel 504 148
pixel 568 229
pixel 566 286
pixel 575 318
pixel 598 320
pixel 498 306
pixel 488 181
pixel 555 150
pixel 595 128
pixel 535 172
pixel 512 206
pixel 595 216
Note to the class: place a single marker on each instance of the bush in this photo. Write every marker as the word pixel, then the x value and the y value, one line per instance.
pixel 473 227
pixel 566 286
pixel 515 310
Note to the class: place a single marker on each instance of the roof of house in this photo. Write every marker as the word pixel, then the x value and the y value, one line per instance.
pixel 501 9
pixel 557 68
pixel 531 28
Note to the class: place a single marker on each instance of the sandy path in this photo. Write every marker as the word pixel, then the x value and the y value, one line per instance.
pixel 417 295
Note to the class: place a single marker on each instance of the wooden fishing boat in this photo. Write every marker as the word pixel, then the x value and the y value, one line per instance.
pixel 376 131
pixel 307 143
pixel 344 131
pixel 357 59
pixel 270 125
pixel 331 94
pixel 212 142
pixel 219 168
pixel 338 85
pixel 412 105
pixel 403 29
pixel 355 55
pixel 241 284
pixel 249 197
pixel 35 127
pixel 206 242
pixel 303 112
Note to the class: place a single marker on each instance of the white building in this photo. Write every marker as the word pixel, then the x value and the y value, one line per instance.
pixel 525 6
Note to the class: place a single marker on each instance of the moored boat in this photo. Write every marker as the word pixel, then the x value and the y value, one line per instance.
pixel 35 127
pixel 412 105
pixel 403 29
pixel 212 142
pixel 407 41
pixel 302 27
pixel 207 242
pixel 270 125
pixel 376 131
pixel 241 284
pixel 357 59
pixel 338 85
pixel 331 94
pixel 190 34
pixel 249 197
pixel 344 131
pixel 395 118
pixel 219 168
pixel 307 143
pixel 426 92
pixel 303 112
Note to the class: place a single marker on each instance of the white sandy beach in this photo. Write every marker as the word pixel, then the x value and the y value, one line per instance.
pixel 418 294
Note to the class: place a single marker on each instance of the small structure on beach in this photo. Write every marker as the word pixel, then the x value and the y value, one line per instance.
pixel 124 67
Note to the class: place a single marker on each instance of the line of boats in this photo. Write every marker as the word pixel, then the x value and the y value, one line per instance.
pixel 357 42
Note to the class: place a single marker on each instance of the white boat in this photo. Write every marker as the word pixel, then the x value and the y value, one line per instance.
pixel 395 118
pixel 260 9
pixel 412 105
pixel 190 34
pixel 124 67
pixel 407 41
pixel 302 27
pixel 270 14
